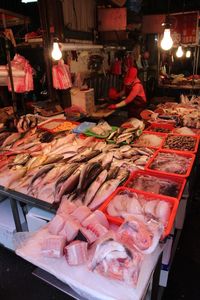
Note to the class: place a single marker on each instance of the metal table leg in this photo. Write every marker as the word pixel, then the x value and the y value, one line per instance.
pixel 15 212
pixel 156 277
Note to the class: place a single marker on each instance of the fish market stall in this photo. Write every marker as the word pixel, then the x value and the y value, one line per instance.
pixel 102 232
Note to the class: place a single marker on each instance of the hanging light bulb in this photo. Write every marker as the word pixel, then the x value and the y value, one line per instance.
pixel 167 41
pixel 179 52
pixel 56 52
pixel 188 54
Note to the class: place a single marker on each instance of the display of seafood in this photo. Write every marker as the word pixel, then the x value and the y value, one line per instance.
pixel 124 135
pixel 184 130
pixel 160 129
pixel 26 122
pixel 149 140
pixel 171 163
pixel 180 142
pixel 153 184
pixel 52 166
pixel 102 128
pixel 114 260
pixel 126 202
pixel 71 232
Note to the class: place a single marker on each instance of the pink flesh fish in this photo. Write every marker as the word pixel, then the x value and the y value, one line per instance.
pixel 56 225
pixel 95 186
pixel 66 207
pixel 76 253
pixel 25 140
pixel 89 235
pixel 97 217
pixel 70 229
pixel 12 175
pixel 65 149
pixel 88 142
pixel 11 139
pixel 98 229
pixel 53 246
pixel 81 213
pixel 104 192
pixel 52 175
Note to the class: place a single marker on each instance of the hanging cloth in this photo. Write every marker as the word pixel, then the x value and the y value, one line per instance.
pixel 61 76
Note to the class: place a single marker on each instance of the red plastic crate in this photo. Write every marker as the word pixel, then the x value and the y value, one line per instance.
pixel 178 180
pixel 183 151
pixel 186 154
pixel 159 125
pixel 148 197
pixel 163 135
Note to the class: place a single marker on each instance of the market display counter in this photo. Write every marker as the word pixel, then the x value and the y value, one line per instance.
pixel 86 283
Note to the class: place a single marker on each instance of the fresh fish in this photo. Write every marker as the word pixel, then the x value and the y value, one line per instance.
pixel 85 156
pixel 93 170
pixel 68 185
pixel 21 159
pixel 9 176
pixel 95 186
pixel 66 174
pixel 38 161
pixel 107 247
pixel 123 175
pixel 52 159
pixel 41 173
pixel 11 139
pixel 104 192
pixel 107 159
pixel 124 148
pixel 112 174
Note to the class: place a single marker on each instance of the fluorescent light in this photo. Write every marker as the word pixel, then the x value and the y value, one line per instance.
pixel 28 1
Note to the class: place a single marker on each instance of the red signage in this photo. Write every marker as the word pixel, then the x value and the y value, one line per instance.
pixel 185 28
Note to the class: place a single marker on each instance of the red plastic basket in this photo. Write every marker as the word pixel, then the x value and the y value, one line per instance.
pixel 169 127
pixel 148 196
pixel 183 151
pixel 178 180
pixel 185 154
pixel 163 135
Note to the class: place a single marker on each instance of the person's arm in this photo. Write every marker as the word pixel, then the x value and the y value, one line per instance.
pixel 134 92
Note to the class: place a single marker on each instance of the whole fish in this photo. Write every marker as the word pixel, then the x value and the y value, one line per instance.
pixel 95 186
pixel 123 175
pixel 112 174
pixel 68 185
pixel 41 173
pixel 92 171
pixel 107 159
pixel 66 174
pixel 21 159
pixel 11 139
pixel 9 176
pixel 53 159
pixel 38 161
pixel 104 192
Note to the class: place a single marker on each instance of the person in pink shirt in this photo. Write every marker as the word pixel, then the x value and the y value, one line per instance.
pixel 133 91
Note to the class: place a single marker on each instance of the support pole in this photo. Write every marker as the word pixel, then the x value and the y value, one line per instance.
pixel 14 101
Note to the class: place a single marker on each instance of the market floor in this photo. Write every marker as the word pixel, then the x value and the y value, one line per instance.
pixel 17 281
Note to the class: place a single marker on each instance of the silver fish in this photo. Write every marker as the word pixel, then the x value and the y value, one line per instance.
pixel 104 192
pixel 67 186
pixel 95 186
